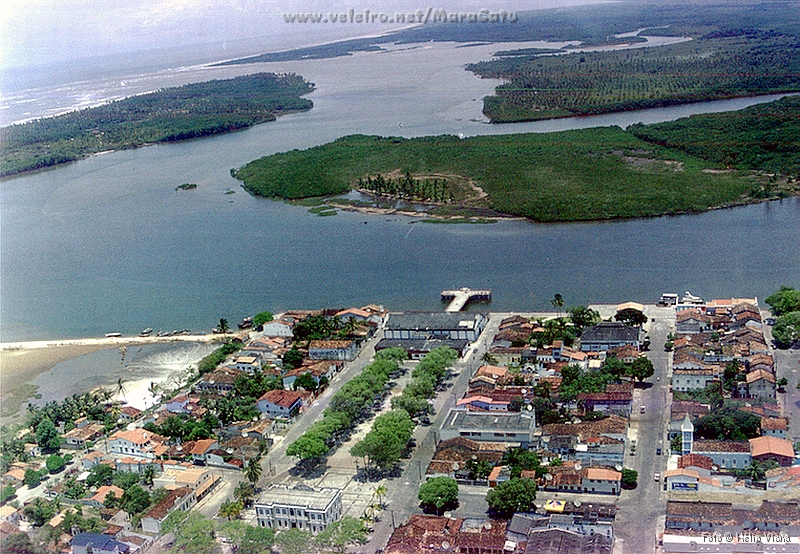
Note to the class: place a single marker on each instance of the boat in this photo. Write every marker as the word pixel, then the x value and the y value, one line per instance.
pixel 113 335
pixel 246 323
pixel 146 332
pixel 690 298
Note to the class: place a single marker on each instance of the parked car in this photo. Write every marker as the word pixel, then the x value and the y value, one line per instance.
pixel 657 477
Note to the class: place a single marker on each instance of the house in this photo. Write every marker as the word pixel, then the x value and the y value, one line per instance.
pixel 687 522
pixel 725 454
pixel 507 355
pixel 79 436
pixel 684 479
pixel 442 535
pixel 774 427
pixel 201 448
pixel 562 541
pixel 452 456
pixel 692 321
pixel 99 498
pixel 616 399
pixel 332 350
pixel 515 429
pixel 9 514
pixel 572 476
pixel 181 499
pixel 489 375
pixel 772 448
pixel 136 442
pixel 129 413
pixel 219 381
pixel 601 480
pixel 761 384
pixel 95 543
pixel 684 380
pixel 197 479
pixel 300 507
pixel 607 335
pixel 281 403
pixel 783 478
pixel 278 328
pixel 627 353
pixel 247 364
pixel 480 403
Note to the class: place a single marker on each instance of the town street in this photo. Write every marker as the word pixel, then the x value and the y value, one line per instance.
pixel 640 511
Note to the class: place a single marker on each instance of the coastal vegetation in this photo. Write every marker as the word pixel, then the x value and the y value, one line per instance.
pixel 744 63
pixel 171 114
pixel 765 137
pixel 590 174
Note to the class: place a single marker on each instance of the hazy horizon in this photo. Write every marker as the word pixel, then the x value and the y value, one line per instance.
pixel 46 32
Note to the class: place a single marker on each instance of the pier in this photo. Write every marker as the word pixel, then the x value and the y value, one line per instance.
pixel 461 297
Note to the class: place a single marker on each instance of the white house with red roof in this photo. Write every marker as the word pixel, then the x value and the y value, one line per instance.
pixel 281 403
pixel 137 443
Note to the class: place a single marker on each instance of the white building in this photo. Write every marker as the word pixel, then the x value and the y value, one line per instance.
pixel 300 507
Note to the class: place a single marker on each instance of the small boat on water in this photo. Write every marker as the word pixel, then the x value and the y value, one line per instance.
pixel 146 332
pixel 690 298
pixel 113 335
pixel 246 323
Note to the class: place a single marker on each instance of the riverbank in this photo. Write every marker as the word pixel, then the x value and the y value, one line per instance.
pixel 22 363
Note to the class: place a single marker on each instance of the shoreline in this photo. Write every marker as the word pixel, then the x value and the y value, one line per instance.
pixel 21 363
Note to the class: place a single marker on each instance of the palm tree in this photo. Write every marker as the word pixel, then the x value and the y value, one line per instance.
pixel 253 470
pixel 558 302
pixel 244 493
pixel 379 494
pixel 149 474
pixel 223 325
pixel 153 390
pixel 230 509
pixel 121 387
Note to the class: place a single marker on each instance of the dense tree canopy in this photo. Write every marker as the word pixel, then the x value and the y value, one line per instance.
pixel 172 114
pixel 509 497
pixel 438 492
pixel 784 300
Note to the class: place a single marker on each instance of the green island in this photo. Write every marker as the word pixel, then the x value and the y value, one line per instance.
pixel 589 174
pixel 186 186
pixel 590 83
pixel 172 114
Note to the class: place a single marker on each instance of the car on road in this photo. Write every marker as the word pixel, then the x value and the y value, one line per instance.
pixel 657 477
pixel 642 410
pixel 658 451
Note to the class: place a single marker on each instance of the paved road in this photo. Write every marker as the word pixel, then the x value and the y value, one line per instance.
pixel 402 497
pixel 787 364
pixel 276 464
pixel 640 510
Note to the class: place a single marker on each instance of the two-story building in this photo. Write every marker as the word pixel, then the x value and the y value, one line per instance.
pixel 300 507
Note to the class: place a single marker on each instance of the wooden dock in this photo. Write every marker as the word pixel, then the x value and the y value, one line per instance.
pixel 461 297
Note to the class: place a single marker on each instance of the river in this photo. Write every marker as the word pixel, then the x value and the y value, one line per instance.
pixel 108 244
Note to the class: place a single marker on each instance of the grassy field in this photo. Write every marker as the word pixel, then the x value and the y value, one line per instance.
pixel 590 174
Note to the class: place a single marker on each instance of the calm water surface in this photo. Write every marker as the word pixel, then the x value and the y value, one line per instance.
pixel 107 244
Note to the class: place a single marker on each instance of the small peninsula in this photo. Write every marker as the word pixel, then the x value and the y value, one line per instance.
pixel 590 174
pixel 171 114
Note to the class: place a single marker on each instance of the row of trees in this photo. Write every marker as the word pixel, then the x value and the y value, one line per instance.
pixel 785 303
pixel 424 379
pixel 348 405
pixel 423 190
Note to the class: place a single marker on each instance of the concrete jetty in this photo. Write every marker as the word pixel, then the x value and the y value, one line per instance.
pixel 459 298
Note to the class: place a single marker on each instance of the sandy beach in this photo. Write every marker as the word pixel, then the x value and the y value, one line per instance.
pixel 22 362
